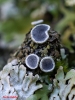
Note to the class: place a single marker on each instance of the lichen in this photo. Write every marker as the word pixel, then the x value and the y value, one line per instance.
pixel 41 94
pixel 6 89
pixel 39 34
pixel 32 61
pixel 14 81
pixel 47 64
pixel 51 47
pixel 64 85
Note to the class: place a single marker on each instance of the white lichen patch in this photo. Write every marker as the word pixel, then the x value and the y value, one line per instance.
pixel 64 86
pixel 15 82
pixel 6 90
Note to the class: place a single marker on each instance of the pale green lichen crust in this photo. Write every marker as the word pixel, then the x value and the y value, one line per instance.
pixel 64 86
pixel 15 82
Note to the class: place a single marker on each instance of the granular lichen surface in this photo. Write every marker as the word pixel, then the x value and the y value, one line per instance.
pixel 50 47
